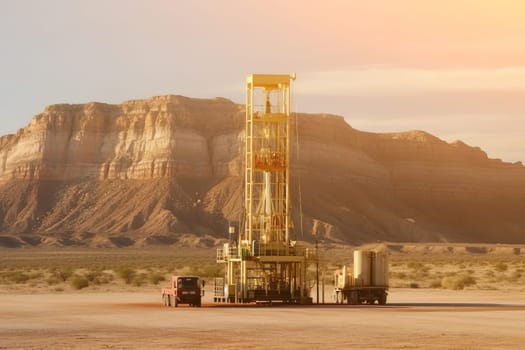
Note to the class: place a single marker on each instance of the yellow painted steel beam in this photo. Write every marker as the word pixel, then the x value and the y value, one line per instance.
pixel 280 258
pixel 269 80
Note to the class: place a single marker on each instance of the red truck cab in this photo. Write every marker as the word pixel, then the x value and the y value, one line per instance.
pixel 183 290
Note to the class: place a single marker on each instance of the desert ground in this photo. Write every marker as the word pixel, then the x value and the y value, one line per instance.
pixel 43 307
pixel 413 319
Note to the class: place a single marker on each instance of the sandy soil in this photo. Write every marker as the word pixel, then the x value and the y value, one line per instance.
pixel 413 319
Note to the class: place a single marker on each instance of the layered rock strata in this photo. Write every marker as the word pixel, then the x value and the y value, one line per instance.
pixel 169 170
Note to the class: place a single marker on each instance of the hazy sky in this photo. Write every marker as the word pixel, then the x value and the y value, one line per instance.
pixel 455 68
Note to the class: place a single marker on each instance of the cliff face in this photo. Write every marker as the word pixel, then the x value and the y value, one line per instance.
pixel 163 136
pixel 169 170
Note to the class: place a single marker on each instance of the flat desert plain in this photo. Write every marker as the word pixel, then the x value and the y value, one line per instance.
pixel 413 319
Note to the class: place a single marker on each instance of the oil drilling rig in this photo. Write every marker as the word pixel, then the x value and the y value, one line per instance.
pixel 261 262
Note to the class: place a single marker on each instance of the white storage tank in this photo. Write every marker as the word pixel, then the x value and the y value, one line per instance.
pixel 362 267
pixel 380 268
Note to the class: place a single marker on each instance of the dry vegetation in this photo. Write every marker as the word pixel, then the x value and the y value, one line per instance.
pixel 472 269
pixel 59 269
pixel 486 272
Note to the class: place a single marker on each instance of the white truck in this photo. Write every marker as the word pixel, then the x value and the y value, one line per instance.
pixel 368 284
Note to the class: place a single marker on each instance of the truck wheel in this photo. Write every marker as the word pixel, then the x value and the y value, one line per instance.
pixel 175 302
pixel 199 303
pixel 382 300
pixel 168 299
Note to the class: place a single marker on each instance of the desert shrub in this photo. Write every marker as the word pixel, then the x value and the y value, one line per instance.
pixel 453 283
pixel 501 267
pixel 78 282
pixel 435 283
pixel 501 277
pixel 514 276
pixel 52 280
pixel 36 275
pixel 425 269
pixel 19 277
pixel 420 275
pixel 457 282
pixel 139 279
pixel 400 275
pixel 126 273
pixel 156 277
pixel 468 280
pixel 105 278
pixel 16 276
pixel 62 274
pixel 414 265
pixel 91 276
pixel 99 277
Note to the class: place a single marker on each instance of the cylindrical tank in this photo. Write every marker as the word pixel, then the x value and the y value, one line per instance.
pixel 362 266
pixel 380 270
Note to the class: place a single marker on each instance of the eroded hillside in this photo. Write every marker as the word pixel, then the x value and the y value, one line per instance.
pixel 168 170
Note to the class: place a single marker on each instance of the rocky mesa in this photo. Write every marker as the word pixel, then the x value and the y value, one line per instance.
pixel 168 170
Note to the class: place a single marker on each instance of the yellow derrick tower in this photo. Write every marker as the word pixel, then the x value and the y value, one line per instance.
pixel 262 263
